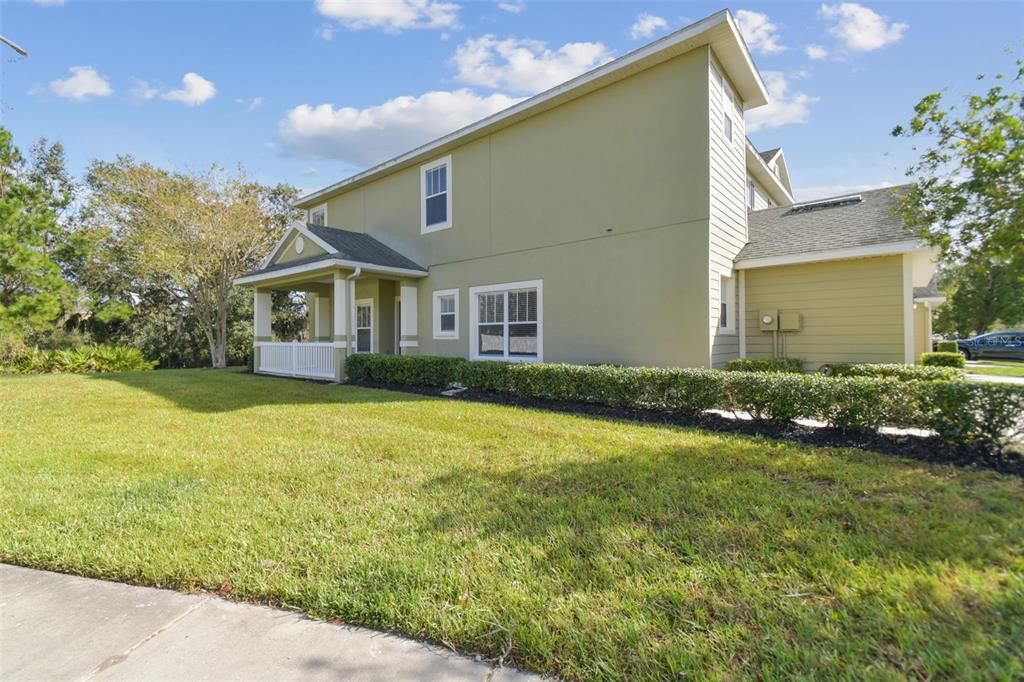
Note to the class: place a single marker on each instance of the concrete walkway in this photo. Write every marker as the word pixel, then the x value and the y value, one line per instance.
pixel 994 378
pixel 60 627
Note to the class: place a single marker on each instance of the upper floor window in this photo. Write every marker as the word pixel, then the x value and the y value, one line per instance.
pixel 727 126
pixel 318 215
pixel 436 195
pixel 751 194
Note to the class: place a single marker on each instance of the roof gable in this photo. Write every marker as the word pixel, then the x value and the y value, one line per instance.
pixel 719 31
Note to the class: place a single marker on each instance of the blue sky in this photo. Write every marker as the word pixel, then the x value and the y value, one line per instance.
pixel 310 91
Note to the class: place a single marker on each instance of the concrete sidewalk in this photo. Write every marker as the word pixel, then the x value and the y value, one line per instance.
pixel 60 627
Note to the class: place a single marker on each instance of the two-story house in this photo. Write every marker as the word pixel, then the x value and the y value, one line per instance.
pixel 621 217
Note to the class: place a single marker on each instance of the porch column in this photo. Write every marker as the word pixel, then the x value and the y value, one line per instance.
pixel 408 339
pixel 261 315
pixel 322 319
pixel 339 299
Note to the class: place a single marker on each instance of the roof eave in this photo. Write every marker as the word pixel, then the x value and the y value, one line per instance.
pixel 321 267
pixel 867 251
pixel 718 30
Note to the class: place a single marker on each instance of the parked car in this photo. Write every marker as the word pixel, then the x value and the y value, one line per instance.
pixel 1008 345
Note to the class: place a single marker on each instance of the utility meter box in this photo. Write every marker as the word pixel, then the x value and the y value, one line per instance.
pixel 769 320
pixel 789 322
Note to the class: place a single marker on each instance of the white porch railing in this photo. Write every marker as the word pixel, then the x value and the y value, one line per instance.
pixel 307 360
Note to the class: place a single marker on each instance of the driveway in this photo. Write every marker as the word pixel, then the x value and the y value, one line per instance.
pixel 994 378
pixel 60 627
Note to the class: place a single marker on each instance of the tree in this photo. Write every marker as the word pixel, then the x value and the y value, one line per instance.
pixel 31 286
pixel 187 236
pixel 968 197
pixel 981 294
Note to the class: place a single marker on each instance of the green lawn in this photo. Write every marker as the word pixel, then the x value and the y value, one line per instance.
pixel 585 547
pixel 1001 368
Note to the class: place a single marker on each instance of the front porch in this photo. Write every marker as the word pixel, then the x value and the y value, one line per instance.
pixel 361 297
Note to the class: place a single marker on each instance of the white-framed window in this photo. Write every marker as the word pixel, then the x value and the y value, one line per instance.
pixel 751 194
pixel 364 325
pixel 436 195
pixel 727 305
pixel 446 314
pixel 318 215
pixel 506 321
pixel 727 126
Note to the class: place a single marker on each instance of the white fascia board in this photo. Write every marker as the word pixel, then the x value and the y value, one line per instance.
pixel 756 94
pixel 325 265
pixel 760 171
pixel 889 249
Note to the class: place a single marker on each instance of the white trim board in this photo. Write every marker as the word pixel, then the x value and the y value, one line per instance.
pixel 754 92
pixel 327 264
pixel 888 249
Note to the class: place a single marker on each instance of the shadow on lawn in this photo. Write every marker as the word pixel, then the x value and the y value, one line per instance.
pixel 742 542
pixel 217 390
pixel 746 503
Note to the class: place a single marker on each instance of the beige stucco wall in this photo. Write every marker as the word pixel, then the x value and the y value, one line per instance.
pixel 852 310
pixel 605 199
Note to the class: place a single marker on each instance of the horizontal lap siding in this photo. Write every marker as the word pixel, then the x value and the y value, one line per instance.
pixel 728 223
pixel 852 310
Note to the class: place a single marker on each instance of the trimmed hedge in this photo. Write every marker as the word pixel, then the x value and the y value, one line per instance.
pixel 947 347
pixel 766 365
pixel 960 412
pixel 84 360
pixel 894 371
pixel 943 360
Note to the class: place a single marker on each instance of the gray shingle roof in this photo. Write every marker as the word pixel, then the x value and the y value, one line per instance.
pixel 800 229
pixel 362 248
pixel 351 246
pixel 769 153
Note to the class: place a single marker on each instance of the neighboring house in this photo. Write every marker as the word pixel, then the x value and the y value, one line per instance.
pixel 622 217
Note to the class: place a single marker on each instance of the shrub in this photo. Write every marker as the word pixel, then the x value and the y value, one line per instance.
pixel 894 371
pixel 942 360
pixel 960 412
pixel 947 347
pixel 964 412
pixel 769 396
pixel 408 370
pixel 84 360
pixel 766 365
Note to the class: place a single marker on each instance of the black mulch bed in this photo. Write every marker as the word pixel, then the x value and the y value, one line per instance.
pixel 926 449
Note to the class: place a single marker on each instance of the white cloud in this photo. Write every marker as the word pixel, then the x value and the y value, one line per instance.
pixel 760 34
pixel 816 51
pixel 524 66
pixel 194 90
pixel 514 7
pixel 84 82
pixel 143 91
pixel 49 3
pixel 783 106
pixel 390 15
pixel 376 133
pixel 324 32
pixel 249 104
pixel 860 29
pixel 813 192
pixel 646 25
